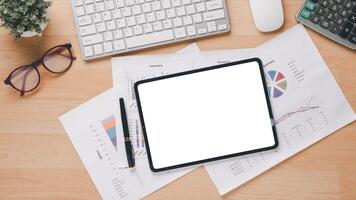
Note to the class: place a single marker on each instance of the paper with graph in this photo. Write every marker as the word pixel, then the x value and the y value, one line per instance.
pixel 307 103
pixel 94 136
pixel 95 130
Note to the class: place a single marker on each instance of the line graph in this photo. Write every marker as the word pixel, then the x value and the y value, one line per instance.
pixel 301 109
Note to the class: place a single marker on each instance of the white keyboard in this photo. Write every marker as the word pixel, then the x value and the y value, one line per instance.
pixel 108 27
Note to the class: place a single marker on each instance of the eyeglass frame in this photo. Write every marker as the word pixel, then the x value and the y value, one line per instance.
pixel 37 63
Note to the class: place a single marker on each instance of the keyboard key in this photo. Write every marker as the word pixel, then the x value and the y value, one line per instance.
pixel 202 31
pixel 152 38
pixel 100 7
pixel 118 34
pixel 89 9
pixel 167 24
pixel 88 51
pixel 80 11
pixel 128 32
pixel 191 30
pixel 222 27
pixel 214 15
pixel 85 20
pixel 211 26
pixel 119 45
pixel 108 36
pixel 78 2
pixel 200 7
pixel 93 39
pixel 87 30
pixel 352 38
pixel 214 4
pixel 108 47
pixel 101 27
pixel 180 32
pixel 98 49
pixel 346 29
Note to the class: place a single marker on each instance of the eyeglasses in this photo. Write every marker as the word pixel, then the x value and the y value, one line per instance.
pixel 56 60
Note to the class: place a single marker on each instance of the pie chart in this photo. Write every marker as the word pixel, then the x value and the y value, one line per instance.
pixel 276 83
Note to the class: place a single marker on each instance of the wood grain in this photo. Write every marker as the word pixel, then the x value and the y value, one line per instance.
pixel 38 161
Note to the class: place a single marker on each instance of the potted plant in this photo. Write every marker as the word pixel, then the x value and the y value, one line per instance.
pixel 24 18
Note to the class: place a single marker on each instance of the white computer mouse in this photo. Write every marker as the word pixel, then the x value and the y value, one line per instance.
pixel 268 14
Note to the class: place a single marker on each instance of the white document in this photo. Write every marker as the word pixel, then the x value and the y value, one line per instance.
pixel 307 103
pixel 92 130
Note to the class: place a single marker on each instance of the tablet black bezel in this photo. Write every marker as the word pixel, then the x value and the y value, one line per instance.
pixel 197 71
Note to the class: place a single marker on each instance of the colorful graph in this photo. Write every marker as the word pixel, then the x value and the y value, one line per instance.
pixel 276 83
pixel 109 125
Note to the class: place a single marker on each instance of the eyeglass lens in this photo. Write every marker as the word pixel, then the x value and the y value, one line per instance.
pixel 58 59
pixel 25 78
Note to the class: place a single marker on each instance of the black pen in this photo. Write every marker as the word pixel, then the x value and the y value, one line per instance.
pixel 125 127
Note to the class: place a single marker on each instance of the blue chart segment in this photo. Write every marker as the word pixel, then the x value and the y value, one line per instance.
pixel 109 125
pixel 276 83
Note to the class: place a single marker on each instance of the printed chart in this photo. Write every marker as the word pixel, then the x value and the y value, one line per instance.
pixel 109 125
pixel 276 83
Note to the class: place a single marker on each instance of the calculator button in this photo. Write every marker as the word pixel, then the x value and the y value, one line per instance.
pixel 346 29
pixel 343 12
pixel 352 38
pixel 325 24
pixel 320 11
pixel 324 3
pixel 329 15
pixel 310 5
pixel 334 7
pixel 335 29
pixel 315 19
pixel 305 13
pixel 352 17
pixel 347 5
pixel 339 1
pixel 339 20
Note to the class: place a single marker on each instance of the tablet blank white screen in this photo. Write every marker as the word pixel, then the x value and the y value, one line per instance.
pixel 205 115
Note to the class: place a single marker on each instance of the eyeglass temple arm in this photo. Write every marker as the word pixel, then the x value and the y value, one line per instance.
pixel 58 51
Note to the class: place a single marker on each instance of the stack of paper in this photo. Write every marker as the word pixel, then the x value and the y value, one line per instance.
pixel 307 104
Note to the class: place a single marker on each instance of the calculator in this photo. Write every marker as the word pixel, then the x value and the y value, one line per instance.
pixel 335 19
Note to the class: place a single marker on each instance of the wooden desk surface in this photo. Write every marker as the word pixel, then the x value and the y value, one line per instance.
pixel 38 161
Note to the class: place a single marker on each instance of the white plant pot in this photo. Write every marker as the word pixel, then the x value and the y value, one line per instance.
pixel 32 34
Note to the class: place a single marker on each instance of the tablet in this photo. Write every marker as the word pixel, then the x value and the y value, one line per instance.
pixel 206 114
